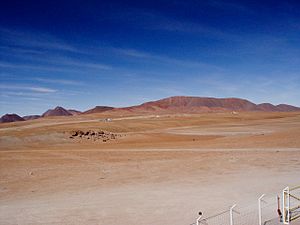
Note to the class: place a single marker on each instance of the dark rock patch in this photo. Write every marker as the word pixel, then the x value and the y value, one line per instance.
pixel 93 135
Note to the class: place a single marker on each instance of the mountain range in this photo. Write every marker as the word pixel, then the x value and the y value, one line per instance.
pixel 177 104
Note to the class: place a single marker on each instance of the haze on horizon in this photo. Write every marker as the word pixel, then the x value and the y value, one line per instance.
pixel 79 54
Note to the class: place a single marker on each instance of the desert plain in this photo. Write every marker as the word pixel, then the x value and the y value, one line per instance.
pixel 157 169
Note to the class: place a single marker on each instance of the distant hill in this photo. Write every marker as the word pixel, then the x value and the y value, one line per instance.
pixel 176 104
pixel 58 111
pixel 74 112
pixel 287 108
pixel 98 109
pixel 7 118
pixel 183 104
pixel 31 117
pixel 267 107
pixel 277 108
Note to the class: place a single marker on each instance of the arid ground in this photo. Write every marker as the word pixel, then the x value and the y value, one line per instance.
pixel 158 170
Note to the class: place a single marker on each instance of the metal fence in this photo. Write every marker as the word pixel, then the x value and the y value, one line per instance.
pixel 264 211
pixel 294 203
pixel 221 218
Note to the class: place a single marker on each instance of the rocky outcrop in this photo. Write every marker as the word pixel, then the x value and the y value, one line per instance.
pixel 93 135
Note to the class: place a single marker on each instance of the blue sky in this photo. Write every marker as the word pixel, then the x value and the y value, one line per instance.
pixel 79 54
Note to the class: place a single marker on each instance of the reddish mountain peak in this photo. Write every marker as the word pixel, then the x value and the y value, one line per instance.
pixel 7 118
pixel 189 104
pixel 57 111
pixel 59 108
pixel 200 102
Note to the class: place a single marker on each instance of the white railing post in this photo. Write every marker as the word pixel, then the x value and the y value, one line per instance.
pixel 231 214
pixel 199 218
pixel 286 205
pixel 259 210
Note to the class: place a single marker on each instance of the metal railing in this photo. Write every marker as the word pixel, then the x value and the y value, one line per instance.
pixel 267 210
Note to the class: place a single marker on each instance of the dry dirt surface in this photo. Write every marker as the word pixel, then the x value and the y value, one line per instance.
pixel 160 170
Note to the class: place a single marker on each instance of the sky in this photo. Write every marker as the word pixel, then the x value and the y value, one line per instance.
pixel 79 54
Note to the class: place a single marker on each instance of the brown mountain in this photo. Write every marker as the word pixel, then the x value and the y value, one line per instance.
pixel 31 117
pixel 58 111
pixel 183 104
pixel 98 109
pixel 287 108
pixel 177 104
pixel 7 118
pixel 268 107
pixel 74 112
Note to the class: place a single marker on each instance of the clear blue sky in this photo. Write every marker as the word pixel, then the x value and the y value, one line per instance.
pixel 78 54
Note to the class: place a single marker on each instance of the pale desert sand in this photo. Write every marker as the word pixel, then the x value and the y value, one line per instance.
pixel 162 171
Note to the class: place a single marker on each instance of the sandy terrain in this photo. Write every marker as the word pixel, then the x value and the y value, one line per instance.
pixel 162 170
